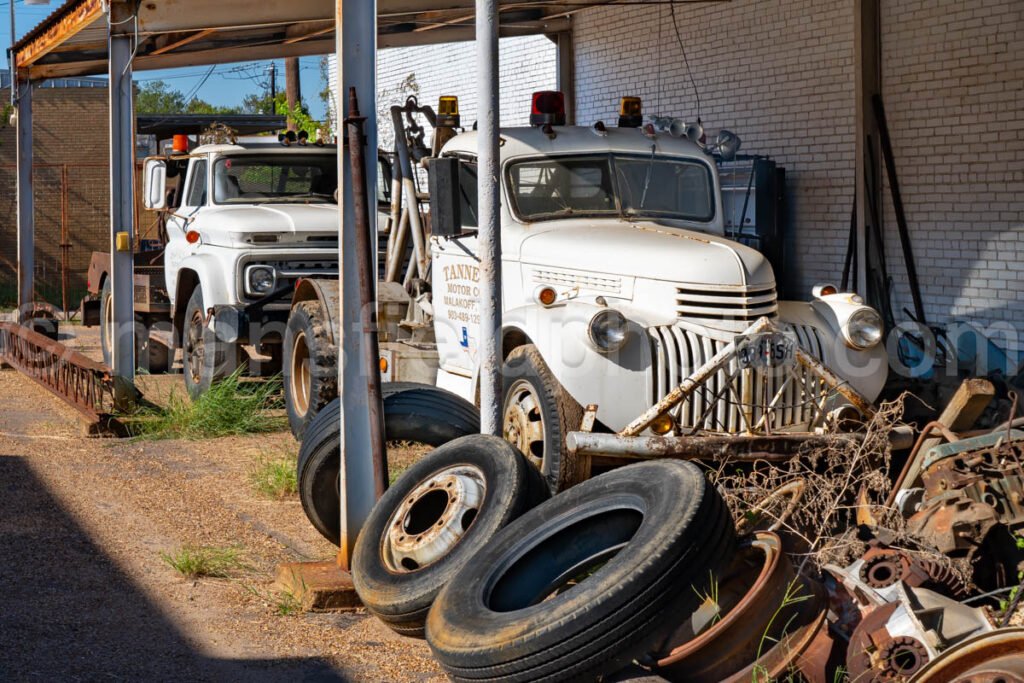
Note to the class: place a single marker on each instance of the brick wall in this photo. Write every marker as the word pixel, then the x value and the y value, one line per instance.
pixel 71 128
pixel 953 76
pixel 526 64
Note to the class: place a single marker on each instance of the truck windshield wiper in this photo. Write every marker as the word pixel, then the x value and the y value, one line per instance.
pixel 647 180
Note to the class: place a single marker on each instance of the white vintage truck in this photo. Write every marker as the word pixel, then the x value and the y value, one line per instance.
pixel 618 285
pixel 241 221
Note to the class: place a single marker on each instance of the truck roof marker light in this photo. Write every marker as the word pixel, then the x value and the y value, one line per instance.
pixel 193 237
pixel 631 112
pixel 448 111
pixel 303 138
pixel 600 129
pixel 824 290
pixel 179 144
pixel 548 108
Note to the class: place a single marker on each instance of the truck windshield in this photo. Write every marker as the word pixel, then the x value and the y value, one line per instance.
pixel 631 186
pixel 278 178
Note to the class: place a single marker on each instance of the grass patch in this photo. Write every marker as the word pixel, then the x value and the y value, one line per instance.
pixel 197 561
pixel 287 605
pixel 229 408
pixel 274 477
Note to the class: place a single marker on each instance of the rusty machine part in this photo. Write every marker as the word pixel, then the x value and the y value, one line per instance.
pixel 83 383
pixel 953 524
pixel 988 658
pixel 882 567
pixel 895 640
pixel 767 616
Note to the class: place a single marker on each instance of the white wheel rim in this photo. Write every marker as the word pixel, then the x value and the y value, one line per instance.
pixel 523 423
pixel 433 518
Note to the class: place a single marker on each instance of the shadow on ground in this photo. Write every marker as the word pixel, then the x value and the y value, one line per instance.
pixel 67 612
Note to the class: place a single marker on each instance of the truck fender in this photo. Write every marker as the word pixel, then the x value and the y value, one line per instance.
pixel 328 293
pixel 201 270
pixel 618 383
pixel 865 370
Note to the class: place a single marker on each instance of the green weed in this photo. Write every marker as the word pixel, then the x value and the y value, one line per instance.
pixel 274 477
pixel 198 561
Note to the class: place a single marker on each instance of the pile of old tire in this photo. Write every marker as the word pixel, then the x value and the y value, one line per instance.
pixel 435 519
pixel 417 413
pixel 583 584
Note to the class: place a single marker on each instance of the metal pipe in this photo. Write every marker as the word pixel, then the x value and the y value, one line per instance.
pixel 489 207
pixel 356 31
pixel 409 191
pixel 122 200
pixel 367 275
pixel 396 246
pixel 65 241
pixel 26 200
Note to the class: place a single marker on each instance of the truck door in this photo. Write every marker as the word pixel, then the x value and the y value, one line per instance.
pixel 456 284
pixel 190 196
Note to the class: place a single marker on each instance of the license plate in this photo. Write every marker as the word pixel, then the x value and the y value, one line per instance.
pixel 765 350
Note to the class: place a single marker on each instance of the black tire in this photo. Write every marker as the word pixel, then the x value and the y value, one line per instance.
pixel 412 412
pixel 398 590
pixel 550 409
pixel 646 540
pixel 205 358
pixel 106 323
pixel 310 365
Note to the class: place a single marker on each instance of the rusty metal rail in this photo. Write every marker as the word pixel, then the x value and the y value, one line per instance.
pixel 84 384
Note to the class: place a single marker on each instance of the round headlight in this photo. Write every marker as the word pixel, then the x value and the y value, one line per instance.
pixel 864 329
pixel 261 279
pixel 608 330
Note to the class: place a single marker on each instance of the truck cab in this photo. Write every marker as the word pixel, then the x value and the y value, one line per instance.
pixel 244 220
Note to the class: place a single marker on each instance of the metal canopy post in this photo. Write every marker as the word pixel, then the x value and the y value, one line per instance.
pixel 26 199
pixel 122 198
pixel 489 208
pixel 357 62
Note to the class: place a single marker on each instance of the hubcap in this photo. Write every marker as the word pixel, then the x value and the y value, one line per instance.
pixel 195 347
pixel 433 518
pixel 300 381
pixel 523 422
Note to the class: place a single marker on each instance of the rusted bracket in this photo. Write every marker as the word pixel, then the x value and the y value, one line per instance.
pixel 78 380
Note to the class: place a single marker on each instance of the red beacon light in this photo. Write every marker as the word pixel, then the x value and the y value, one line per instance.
pixel 548 108
pixel 179 144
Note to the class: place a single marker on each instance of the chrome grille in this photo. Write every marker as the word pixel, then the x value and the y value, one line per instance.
pixel 718 405
pixel 587 281
pixel 741 306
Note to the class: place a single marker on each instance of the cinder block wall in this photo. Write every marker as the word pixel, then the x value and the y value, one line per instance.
pixel 954 94
pixel 71 128
pixel 779 73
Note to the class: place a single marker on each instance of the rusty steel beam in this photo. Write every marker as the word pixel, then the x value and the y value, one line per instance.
pixel 73 377
pixel 70 20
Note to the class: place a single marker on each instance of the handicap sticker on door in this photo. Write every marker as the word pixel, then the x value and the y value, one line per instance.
pixel 465 338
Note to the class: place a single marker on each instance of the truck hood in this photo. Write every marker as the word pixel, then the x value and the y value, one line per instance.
pixel 646 250
pixel 281 218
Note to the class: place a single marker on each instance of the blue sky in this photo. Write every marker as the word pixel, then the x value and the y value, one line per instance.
pixel 226 85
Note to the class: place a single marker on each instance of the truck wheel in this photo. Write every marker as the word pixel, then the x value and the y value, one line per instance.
pixel 434 520
pixel 537 415
pixel 107 323
pixel 155 355
pixel 412 412
pixel 588 581
pixel 310 365
pixel 205 358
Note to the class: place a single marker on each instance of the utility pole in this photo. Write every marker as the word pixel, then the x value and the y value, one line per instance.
pixel 273 87
pixel 293 87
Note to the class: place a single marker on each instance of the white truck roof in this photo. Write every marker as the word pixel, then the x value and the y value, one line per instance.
pixel 579 140
pixel 271 145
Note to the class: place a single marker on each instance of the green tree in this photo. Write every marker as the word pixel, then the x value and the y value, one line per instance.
pixel 156 97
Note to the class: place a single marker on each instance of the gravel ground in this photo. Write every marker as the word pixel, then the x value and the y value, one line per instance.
pixel 86 595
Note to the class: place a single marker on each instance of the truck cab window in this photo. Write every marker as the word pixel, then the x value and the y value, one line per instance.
pixel 197 191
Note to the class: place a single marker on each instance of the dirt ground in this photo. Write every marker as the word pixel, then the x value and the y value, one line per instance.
pixel 85 594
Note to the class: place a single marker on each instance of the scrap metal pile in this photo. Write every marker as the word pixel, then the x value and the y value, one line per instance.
pixel 822 568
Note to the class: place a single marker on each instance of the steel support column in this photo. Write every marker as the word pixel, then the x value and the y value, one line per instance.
pixel 566 61
pixel 357 63
pixel 122 198
pixel 26 199
pixel 489 211
pixel 867 56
